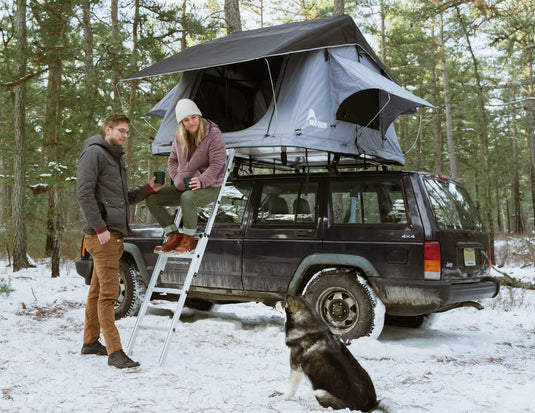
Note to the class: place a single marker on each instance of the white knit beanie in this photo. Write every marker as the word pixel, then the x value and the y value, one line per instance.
pixel 185 108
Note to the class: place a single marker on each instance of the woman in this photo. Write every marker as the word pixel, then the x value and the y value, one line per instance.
pixel 198 152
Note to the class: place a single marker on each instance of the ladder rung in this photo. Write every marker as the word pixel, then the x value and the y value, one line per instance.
pixel 168 290
pixel 191 255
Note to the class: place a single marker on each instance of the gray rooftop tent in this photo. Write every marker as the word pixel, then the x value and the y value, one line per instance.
pixel 290 95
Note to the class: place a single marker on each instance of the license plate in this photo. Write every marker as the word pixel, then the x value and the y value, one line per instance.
pixel 469 257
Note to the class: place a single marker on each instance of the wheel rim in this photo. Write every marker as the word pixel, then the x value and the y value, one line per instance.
pixel 339 309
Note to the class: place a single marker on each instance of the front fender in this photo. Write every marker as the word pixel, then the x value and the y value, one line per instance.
pixel 139 260
pixel 328 260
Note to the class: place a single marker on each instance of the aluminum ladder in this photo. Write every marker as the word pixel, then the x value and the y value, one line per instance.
pixel 196 260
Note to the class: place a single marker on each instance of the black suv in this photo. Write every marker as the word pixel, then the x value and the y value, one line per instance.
pixel 358 245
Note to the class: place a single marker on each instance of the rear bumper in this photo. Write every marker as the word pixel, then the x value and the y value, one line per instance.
pixel 85 269
pixel 408 298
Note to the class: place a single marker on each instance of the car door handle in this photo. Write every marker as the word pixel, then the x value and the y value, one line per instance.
pixel 233 233
pixel 308 233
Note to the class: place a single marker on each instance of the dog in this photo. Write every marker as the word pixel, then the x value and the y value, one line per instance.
pixel 337 378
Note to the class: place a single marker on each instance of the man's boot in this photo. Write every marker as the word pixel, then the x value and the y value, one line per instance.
pixel 94 348
pixel 121 361
pixel 187 245
pixel 173 240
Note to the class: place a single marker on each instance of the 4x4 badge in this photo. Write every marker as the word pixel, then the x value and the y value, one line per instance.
pixel 408 236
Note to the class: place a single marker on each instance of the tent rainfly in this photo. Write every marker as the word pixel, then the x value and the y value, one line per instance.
pixel 290 94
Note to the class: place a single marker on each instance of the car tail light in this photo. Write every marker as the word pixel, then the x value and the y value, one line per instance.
pixel 432 260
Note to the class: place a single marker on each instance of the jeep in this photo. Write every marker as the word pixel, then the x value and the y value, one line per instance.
pixel 361 247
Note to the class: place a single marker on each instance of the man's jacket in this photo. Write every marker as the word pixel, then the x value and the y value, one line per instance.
pixel 101 187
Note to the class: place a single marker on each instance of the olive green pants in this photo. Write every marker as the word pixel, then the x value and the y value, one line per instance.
pixel 187 200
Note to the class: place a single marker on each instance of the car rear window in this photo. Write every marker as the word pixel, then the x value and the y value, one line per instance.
pixel 368 201
pixel 452 206
pixel 287 203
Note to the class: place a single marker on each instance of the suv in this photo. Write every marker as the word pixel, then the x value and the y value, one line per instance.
pixel 359 246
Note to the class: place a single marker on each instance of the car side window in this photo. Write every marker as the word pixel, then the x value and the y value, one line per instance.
pixel 287 203
pixel 232 207
pixel 368 202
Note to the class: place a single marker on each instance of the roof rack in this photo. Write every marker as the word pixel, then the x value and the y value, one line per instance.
pixel 303 161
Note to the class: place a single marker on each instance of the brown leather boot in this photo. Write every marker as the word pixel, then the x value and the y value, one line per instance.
pixel 173 240
pixel 187 245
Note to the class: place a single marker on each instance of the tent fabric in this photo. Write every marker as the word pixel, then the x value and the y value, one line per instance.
pixel 159 110
pixel 265 42
pixel 299 108
pixel 388 98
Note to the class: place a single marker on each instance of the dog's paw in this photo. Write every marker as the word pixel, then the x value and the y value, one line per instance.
pixel 275 394
pixel 286 396
pixel 280 306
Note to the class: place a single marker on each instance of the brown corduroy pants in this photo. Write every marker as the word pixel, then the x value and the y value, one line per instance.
pixel 104 290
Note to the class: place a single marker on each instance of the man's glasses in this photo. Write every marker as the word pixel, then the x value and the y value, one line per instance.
pixel 123 131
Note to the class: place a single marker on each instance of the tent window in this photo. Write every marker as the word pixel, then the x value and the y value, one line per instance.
pixel 237 96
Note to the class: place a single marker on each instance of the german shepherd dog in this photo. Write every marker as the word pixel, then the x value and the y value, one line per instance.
pixel 338 380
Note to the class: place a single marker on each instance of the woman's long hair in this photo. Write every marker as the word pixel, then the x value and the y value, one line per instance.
pixel 186 143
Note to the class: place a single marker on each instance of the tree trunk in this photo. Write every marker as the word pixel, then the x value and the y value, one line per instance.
pixel 54 26
pixel 90 78
pixel 530 130
pixel 383 32
pixel 437 130
pixel 338 8
pixel 232 16
pixel 483 134
pixel 447 104
pixel 132 99
pixel 183 39
pixel 115 47
pixel 20 256
pixel 517 226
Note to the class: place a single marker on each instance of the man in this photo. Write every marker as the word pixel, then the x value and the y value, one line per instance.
pixel 104 198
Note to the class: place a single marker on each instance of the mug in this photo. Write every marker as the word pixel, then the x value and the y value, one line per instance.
pixel 160 177
pixel 186 181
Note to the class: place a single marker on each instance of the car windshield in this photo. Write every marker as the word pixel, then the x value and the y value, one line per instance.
pixel 452 205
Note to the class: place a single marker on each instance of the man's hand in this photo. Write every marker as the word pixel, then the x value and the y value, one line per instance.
pixel 104 237
pixel 156 186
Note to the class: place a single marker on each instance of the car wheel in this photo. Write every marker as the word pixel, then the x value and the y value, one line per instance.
pixel 346 304
pixel 131 290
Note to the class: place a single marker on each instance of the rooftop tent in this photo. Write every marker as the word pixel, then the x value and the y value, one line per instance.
pixel 289 94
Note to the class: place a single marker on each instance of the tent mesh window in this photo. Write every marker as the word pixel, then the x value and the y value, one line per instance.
pixel 237 96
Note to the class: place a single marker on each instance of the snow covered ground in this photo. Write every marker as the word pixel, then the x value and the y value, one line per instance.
pixel 233 358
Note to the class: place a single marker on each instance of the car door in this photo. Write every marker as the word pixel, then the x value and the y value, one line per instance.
pixel 283 229
pixel 370 216
pixel 221 266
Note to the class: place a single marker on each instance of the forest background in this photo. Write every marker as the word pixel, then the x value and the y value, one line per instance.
pixel 62 61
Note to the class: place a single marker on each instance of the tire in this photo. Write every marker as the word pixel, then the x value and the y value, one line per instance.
pixel 346 304
pixel 131 290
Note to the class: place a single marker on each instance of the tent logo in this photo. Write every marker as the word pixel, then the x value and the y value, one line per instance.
pixel 312 121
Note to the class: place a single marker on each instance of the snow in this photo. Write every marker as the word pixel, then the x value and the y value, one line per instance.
pixel 233 358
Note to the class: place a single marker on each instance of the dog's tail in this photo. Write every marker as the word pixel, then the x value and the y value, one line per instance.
pixel 385 406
